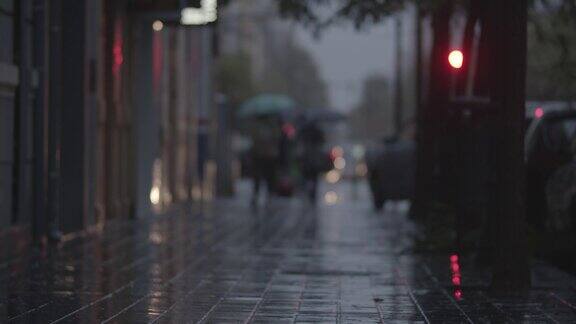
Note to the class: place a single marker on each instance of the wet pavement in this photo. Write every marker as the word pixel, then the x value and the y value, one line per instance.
pixel 287 263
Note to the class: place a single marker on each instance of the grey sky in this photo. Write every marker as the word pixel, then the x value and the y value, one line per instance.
pixel 346 57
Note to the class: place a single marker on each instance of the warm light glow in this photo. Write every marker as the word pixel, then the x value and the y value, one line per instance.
pixel 207 13
pixel 157 25
pixel 454 258
pixel 361 169
pixel 333 176
pixel 156 190
pixel 456 59
pixel 339 163
pixel 155 237
pixel 337 152
pixel 155 195
pixel 539 112
pixel 331 198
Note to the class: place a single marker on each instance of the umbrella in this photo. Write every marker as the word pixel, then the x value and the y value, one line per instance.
pixel 323 115
pixel 266 104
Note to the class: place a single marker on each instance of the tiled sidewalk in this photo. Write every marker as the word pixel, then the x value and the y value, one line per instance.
pixel 288 263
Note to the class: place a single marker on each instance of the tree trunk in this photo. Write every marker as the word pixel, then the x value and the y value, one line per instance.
pixel 483 74
pixel 511 269
pixel 467 48
pixel 431 114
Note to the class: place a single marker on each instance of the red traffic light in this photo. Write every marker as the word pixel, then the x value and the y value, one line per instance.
pixel 456 59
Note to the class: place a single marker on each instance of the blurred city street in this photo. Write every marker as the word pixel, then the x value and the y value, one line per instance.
pixel 339 262
pixel 287 161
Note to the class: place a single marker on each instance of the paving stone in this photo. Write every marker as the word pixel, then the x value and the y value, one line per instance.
pixel 290 263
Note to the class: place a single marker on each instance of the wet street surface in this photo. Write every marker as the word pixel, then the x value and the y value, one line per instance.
pixel 286 263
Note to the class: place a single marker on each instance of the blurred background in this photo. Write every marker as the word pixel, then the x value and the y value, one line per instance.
pixel 120 109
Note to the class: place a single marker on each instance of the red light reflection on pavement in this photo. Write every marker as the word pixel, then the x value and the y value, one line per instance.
pixel 458 294
pixel 456 281
pixel 456 276
pixel 455 267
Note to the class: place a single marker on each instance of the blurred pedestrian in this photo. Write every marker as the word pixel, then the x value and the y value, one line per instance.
pixel 313 159
pixel 266 137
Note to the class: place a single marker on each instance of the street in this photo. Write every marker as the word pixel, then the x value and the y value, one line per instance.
pixel 289 161
pixel 286 263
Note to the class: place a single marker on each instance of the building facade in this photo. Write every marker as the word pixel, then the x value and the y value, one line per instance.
pixel 103 112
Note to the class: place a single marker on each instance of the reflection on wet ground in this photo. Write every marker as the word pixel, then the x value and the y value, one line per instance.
pixel 288 262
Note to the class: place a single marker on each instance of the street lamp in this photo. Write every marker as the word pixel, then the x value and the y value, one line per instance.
pixel 158 25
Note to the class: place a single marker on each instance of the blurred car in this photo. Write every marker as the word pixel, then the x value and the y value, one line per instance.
pixel 551 170
pixel 391 168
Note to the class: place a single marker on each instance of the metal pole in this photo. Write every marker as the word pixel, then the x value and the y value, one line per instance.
pixel 24 151
pixel 55 103
pixel 146 120
pixel 41 39
pixel 204 111
pixel 418 58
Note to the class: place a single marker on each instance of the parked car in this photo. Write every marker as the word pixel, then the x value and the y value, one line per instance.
pixel 551 170
pixel 391 169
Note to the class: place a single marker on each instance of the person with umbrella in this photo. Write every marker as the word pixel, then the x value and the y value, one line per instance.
pixel 313 160
pixel 265 130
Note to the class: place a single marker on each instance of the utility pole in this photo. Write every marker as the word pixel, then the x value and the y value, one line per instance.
pixel 54 112
pixel 41 38
pixel 418 62
pixel 205 112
